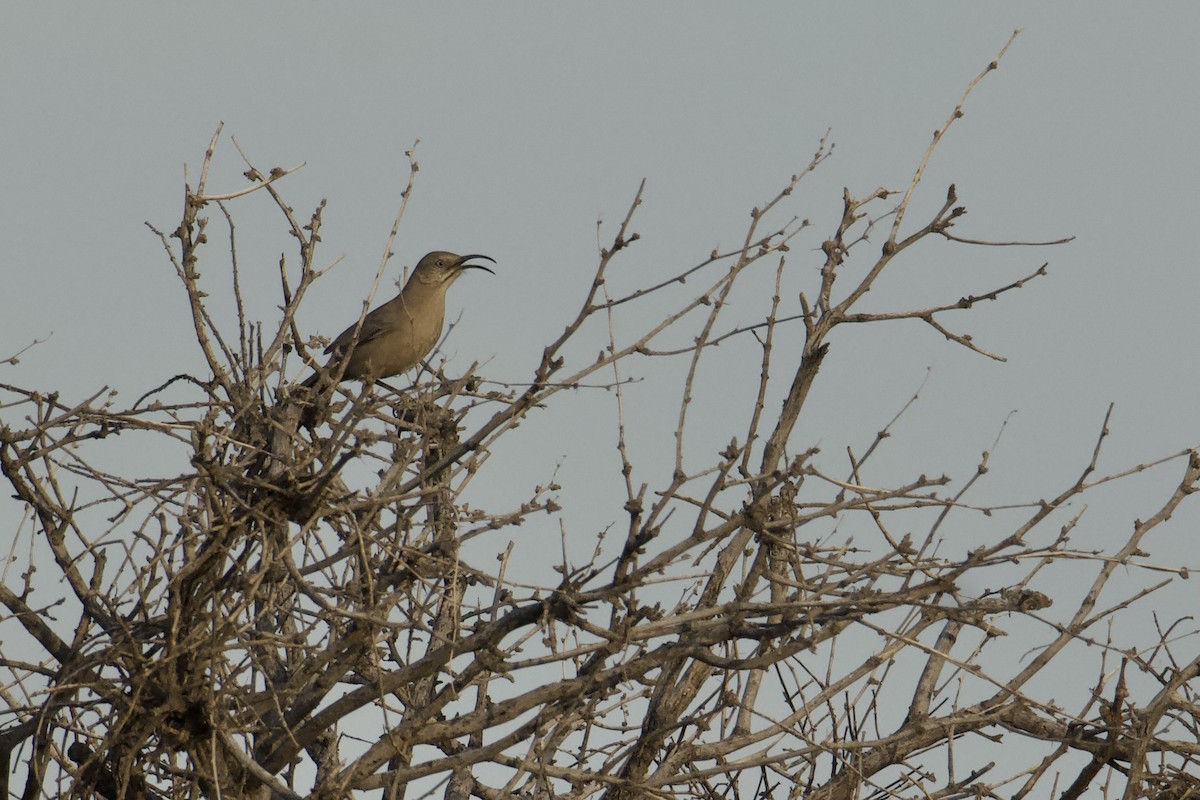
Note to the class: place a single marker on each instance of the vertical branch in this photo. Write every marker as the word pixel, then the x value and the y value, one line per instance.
pixel 439 434
pixel 955 115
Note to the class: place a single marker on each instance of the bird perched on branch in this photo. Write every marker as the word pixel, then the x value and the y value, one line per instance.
pixel 396 336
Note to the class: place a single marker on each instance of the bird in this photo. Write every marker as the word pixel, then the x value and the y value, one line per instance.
pixel 398 334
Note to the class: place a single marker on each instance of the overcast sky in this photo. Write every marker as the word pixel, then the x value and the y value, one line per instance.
pixel 535 120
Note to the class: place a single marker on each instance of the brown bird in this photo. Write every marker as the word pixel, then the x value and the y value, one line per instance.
pixel 397 335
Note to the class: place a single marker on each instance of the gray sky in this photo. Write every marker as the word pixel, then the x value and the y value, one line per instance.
pixel 537 119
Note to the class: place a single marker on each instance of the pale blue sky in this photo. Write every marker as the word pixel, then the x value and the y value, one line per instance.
pixel 535 119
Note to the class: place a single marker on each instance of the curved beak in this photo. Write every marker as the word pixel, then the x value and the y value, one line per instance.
pixel 462 262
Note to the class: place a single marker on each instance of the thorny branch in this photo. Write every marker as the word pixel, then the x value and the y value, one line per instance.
pixel 320 611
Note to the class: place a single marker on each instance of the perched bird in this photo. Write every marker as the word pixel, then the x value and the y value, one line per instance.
pixel 397 335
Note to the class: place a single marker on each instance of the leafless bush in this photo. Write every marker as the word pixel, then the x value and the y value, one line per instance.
pixel 312 610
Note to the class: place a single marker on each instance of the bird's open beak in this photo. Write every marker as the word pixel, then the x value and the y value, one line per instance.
pixel 462 262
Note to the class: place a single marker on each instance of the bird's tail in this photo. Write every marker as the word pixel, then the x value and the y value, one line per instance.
pixel 317 388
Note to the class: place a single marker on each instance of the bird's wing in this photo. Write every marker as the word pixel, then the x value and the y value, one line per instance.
pixel 373 325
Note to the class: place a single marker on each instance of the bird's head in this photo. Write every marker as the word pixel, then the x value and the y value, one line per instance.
pixel 440 267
